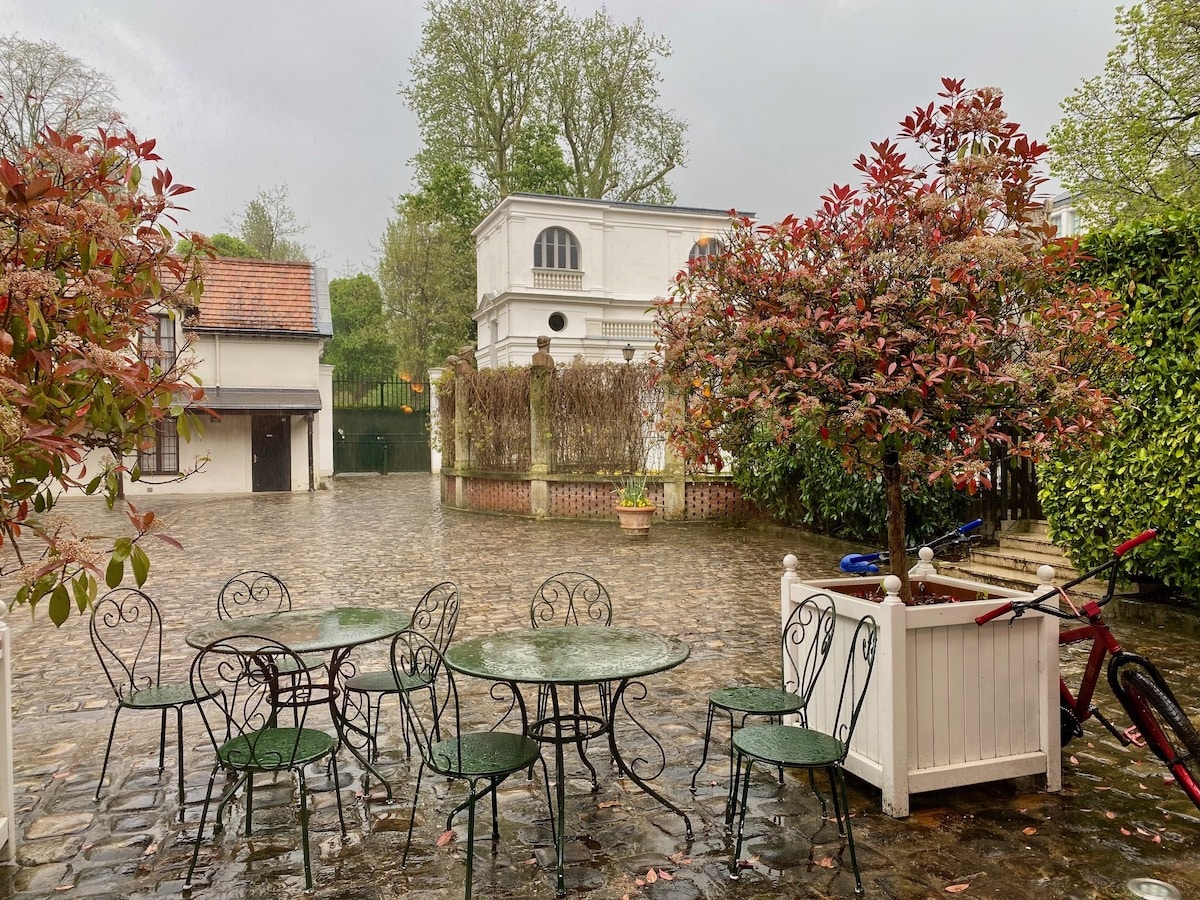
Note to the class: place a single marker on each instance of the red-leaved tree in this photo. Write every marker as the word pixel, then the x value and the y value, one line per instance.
pixel 85 268
pixel 918 323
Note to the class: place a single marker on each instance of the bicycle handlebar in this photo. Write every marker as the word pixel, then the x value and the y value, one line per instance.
pixel 1148 535
pixel 995 613
pixel 1018 607
pixel 864 563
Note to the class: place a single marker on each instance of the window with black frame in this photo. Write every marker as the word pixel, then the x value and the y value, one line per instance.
pixel 157 348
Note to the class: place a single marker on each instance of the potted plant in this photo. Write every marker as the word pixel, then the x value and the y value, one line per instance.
pixel 633 506
pixel 920 325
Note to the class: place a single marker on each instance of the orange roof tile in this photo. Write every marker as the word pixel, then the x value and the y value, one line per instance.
pixel 258 295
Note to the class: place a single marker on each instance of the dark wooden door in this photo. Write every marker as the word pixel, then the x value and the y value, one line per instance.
pixel 271 444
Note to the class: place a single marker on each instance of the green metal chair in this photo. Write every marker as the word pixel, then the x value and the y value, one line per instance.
pixel 244 678
pixel 126 633
pixel 567 599
pixel 795 747
pixel 484 759
pixel 435 617
pixel 804 647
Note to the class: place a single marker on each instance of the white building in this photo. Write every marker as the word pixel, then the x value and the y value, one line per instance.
pixel 583 272
pixel 258 341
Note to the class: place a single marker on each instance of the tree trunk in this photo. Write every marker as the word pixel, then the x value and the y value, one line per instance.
pixel 893 485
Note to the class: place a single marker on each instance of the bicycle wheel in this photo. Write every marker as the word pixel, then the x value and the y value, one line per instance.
pixel 1166 728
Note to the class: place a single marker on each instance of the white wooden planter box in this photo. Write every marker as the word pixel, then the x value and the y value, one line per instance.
pixel 8 822
pixel 950 703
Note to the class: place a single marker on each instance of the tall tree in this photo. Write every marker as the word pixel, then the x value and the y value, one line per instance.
pixel 43 86
pixel 604 94
pixel 913 324
pixel 1129 143
pixel 268 226
pixel 86 266
pixel 427 272
pixel 362 347
pixel 507 87
pixel 476 78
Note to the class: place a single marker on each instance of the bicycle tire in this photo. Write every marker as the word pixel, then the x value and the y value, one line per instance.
pixel 1166 728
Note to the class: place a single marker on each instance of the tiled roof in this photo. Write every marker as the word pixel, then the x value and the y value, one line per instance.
pixel 258 295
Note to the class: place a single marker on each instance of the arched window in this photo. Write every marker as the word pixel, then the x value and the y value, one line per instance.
pixel 704 248
pixel 556 248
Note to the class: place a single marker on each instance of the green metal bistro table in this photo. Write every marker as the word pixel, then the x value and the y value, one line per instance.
pixel 570 658
pixel 334 630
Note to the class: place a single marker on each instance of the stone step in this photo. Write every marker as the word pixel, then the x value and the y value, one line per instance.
pixel 1022 560
pixel 1004 576
pixel 1027 543
pixel 1035 527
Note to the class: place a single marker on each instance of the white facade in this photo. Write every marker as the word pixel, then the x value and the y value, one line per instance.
pixel 628 256
pixel 257 343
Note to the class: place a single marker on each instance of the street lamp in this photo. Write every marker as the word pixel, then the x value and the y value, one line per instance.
pixel 627 352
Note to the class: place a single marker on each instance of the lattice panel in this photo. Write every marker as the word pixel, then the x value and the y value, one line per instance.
pixel 580 500
pixel 705 500
pixel 498 496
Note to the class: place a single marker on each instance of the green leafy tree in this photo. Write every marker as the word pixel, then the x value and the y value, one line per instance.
pixel 1145 473
pixel 604 92
pixel 268 227
pixel 496 84
pixel 41 86
pixel 1128 145
pixel 476 78
pixel 86 265
pixel 362 347
pixel 222 245
pixel 538 164
pixel 803 483
pixel 427 272
pixel 914 324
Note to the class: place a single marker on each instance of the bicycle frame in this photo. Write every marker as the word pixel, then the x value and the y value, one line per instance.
pixel 1135 681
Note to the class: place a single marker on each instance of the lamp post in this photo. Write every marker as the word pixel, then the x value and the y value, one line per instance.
pixel 627 352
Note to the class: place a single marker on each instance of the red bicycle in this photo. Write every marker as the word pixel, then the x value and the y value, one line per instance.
pixel 1158 720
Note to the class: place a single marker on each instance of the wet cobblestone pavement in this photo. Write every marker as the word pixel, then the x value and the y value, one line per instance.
pixel 380 542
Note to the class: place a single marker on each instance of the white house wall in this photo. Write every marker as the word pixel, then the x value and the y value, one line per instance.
pixel 629 255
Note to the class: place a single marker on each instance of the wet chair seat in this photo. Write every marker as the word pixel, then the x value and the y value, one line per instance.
pixel 793 747
pixel 126 633
pixel 248 679
pixel 806 638
pixel 484 759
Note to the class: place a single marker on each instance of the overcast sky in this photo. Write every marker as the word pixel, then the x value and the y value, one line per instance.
pixel 779 95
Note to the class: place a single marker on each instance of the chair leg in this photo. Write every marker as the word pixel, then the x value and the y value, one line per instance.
pixel 249 800
pixel 179 753
pixel 308 880
pixel 107 750
pixel 841 785
pixel 712 711
pixel 549 801
pixel 812 783
pixel 162 741
pixel 200 828
pixel 337 791
pixel 495 817
pixel 737 847
pixel 838 814
pixel 471 841
pixel 412 816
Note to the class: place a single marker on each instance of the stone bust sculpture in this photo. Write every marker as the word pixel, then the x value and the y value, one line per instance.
pixel 542 359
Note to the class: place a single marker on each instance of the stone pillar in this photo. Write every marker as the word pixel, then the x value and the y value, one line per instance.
pixel 462 438
pixel 541 429
pixel 674 470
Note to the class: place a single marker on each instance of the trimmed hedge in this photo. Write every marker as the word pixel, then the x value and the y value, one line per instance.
pixel 1148 472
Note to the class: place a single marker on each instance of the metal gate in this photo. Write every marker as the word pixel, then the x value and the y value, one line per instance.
pixel 380 426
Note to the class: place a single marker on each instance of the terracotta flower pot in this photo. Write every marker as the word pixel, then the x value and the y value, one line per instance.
pixel 635 520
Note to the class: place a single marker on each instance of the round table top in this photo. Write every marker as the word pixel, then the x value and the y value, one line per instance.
pixel 308 630
pixel 567 655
